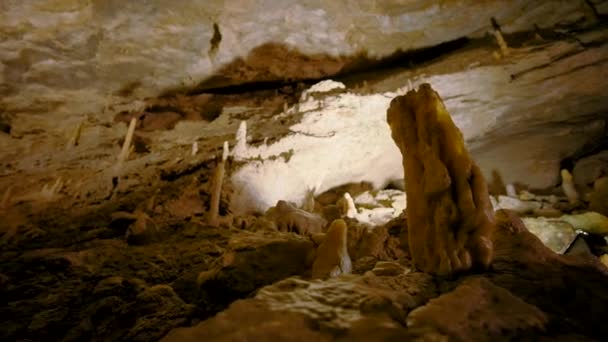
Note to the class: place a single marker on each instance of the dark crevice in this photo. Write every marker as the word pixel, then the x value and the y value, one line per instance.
pixel 587 150
pixel 252 87
pixel 5 124
pixel 410 59
pixel 363 67
pixel 545 65
pixel 172 175
pixel 552 35
pixel 596 63
pixel 593 9
pixel 215 40
pixel 5 127
pixel 161 109
pixel 358 66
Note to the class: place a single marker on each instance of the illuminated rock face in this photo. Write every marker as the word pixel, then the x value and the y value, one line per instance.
pixel 450 218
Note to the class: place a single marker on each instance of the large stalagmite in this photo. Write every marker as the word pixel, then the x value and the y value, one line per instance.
pixel 450 218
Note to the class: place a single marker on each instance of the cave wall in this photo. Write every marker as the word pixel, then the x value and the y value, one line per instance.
pixel 82 55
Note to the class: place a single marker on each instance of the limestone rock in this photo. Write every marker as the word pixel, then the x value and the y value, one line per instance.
pixel 568 187
pixel 479 310
pixel 332 257
pixel 531 271
pixel 378 207
pixel 388 268
pixel 598 199
pixel 288 218
pixel 554 233
pixel 516 300
pixel 604 259
pixel 590 222
pixel 77 53
pixel 333 195
pixel 588 169
pixel 189 203
pixel 491 113
pixel 135 314
pixel 449 214
pixel 252 260
pixel 159 310
pixel 380 242
pixel 517 205
pixel 118 286
pixel 295 309
pixel 247 321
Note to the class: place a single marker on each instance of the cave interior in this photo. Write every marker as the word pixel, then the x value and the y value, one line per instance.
pixel 345 170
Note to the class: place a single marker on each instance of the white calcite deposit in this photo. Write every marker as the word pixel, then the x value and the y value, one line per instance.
pixel 342 138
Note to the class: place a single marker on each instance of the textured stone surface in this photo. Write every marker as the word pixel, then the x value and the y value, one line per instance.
pixel 531 293
pixel 531 271
pixel 288 218
pixel 449 215
pixel 478 310
pixel 598 199
pixel 554 233
pixel 514 126
pixel 588 169
pixel 332 257
pixel 322 308
pixel 511 124
pixel 252 260
pixel 523 115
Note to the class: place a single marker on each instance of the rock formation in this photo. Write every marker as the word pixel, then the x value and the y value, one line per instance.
pixel 587 170
pixel 332 255
pixel 449 213
pixel 598 199
pixel 568 187
pixel 288 218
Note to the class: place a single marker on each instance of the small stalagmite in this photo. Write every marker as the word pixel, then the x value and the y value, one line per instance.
pixel 449 214
pixel 332 255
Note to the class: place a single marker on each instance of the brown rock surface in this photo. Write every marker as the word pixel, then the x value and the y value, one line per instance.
pixel 380 242
pixel 300 310
pixel 251 260
pixel 332 257
pixel 570 289
pixel 588 169
pixel 530 294
pixel 598 199
pixel 478 309
pixel 450 217
pixel 288 218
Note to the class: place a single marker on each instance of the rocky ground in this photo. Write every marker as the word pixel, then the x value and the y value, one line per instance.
pixel 91 284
